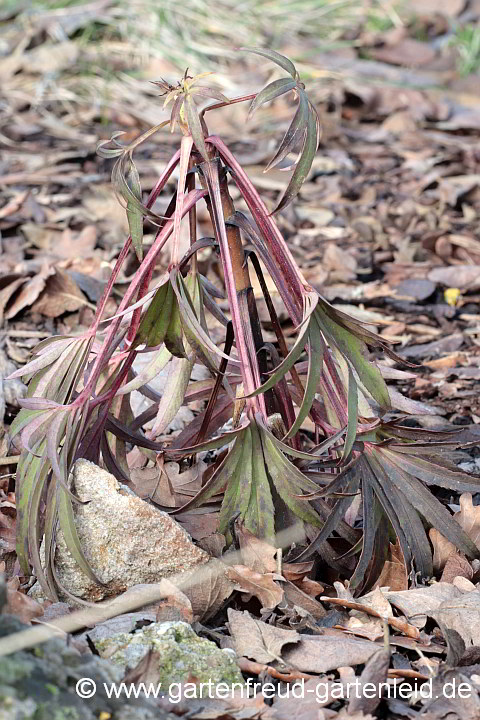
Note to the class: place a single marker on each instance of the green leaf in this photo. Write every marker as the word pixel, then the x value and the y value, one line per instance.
pixel 352 424
pixel 27 474
pixel 315 365
pixel 293 134
pixel 174 335
pixel 260 514
pixel 134 214
pixel 270 92
pixel 371 519
pixel 292 356
pixel 177 382
pixel 154 324
pixel 434 474
pixel 304 164
pixel 405 520
pixel 275 57
pixel 355 351
pixel 149 372
pixel 430 508
pixel 238 483
pixel 220 478
pixel 195 127
pixel 72 541
pixel 289 482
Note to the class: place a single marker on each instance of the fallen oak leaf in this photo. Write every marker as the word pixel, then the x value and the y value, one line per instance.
pixel 262 585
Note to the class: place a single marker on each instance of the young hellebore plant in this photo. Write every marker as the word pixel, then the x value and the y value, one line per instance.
pixel 78 402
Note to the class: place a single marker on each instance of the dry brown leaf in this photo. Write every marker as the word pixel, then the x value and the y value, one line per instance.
pixel 442 549
pixel 469 518
pixel 257 554
pixel 322 653
pixel 456 566
pixel 8 514
pixel 61 295
pixel 310 587
pixel 154 483
pixel 29 292
pixel 408 52
pixel 257 640
pixel 394 573
pixel 214 544
pixel 23 606
pixel 374 672
pixel 296 572
pixel 147 671
pixel 209 595
pixel 463 277
pixel 13 205
pixel 261 585
pixel 417 603
pixel 174 606
pixel 297 598
pixel 396 622
pixel 78 245
pixel 460 615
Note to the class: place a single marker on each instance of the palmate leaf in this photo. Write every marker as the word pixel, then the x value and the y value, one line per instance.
pixel 304 129
pixel 48 429
pixel 254 465
pixel 391 478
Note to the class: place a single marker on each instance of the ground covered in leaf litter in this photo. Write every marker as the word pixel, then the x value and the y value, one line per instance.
pixel 386 228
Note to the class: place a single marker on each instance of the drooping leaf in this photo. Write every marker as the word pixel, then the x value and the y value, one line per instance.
pixel 352 425
pixel 275 57
pixel 294 133
pixel 270 92
pixel 195 126
pixel 147 373
pixel 302 167
pixel 316 351
pixel 178 378
pixel 134 214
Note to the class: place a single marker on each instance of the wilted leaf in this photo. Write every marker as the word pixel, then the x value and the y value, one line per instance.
pixel 374 672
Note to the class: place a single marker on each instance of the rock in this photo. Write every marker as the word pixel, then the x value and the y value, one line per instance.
pixel 182 654
pixel 126 540
pixel 40 683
